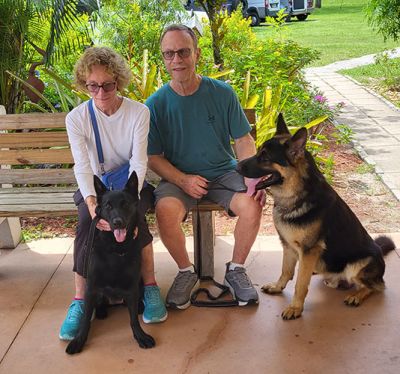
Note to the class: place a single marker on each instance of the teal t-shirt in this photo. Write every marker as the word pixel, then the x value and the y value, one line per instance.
pixel 194 132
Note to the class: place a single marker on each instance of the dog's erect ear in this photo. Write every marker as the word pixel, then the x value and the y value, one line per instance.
pixel 99 186
pixel 132 184
pixel 281 127
pixel 297 144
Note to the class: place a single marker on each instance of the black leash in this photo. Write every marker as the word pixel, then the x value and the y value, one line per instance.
pixel 213 301
pixel 89 246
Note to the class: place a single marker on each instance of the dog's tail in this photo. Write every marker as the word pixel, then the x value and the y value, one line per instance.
pixel 385 243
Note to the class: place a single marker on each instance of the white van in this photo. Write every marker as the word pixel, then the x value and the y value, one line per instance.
pixel 258 10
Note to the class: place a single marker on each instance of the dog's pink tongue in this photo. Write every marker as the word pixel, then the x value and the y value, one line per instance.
pixel 120 235
pixel 251 185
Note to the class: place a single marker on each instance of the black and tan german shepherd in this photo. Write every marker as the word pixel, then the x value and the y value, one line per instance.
pixel 115 261
pixel 316 227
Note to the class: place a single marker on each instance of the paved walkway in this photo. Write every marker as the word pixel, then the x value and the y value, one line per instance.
pixel 374 120
pixel 36 286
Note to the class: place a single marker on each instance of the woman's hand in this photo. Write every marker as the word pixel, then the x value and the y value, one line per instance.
pixel 91 203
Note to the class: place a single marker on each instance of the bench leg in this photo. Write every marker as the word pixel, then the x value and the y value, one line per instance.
pixel 10 232
pixel 204 243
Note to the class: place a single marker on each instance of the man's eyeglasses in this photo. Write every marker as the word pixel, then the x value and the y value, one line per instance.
pixel 182 53
pixel 107 87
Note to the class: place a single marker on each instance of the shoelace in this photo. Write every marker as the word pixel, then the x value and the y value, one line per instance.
pixel 75 311
pixel 241 277
pixel 182 280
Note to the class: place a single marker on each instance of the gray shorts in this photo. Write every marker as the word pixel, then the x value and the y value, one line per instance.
pixel 221 191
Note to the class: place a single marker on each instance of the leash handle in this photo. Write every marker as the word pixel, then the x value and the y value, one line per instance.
pixel 213 301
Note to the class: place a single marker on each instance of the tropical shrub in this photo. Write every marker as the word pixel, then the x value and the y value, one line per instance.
pixel 390 68
pixel 132 26
pixel 274 64
pixel 53 27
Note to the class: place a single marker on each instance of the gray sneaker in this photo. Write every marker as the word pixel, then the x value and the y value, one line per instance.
pixel 184 285
pixel 240 286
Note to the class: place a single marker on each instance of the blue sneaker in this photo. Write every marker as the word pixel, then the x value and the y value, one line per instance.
pixel 70 326
pixel 154 307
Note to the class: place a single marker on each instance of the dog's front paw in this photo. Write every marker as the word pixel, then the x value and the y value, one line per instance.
pixel 144 340
pixel 291 312
pixel 75 346
pixel 272 288
pixel 352 300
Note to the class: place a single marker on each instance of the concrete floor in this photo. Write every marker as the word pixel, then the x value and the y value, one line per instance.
pixel 36 287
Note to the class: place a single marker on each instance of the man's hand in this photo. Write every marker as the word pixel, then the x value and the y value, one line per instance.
pixel 91 203
pixel 194 185
pixel 259 195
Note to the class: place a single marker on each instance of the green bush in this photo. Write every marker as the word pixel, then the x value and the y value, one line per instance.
pixel 275 62
pixel 132 26
pixel 390 68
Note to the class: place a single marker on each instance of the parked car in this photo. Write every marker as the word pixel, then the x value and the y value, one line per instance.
pixel 229 5
pixel 258 10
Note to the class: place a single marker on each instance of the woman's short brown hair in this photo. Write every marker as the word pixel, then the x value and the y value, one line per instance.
pixel 115 65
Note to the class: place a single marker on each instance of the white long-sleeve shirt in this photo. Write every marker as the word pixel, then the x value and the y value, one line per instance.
pixel 123 137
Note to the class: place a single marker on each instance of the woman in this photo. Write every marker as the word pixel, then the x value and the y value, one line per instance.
pixel 123 127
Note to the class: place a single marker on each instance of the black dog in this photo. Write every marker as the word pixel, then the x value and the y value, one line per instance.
pixel 114 262
pixel 316 227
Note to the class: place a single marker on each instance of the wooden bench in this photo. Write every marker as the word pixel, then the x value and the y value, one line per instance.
pixel 45 189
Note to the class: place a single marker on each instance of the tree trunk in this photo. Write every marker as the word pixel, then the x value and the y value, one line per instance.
pixel 211 7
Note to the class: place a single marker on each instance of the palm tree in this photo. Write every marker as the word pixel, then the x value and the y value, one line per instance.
pixel 22 24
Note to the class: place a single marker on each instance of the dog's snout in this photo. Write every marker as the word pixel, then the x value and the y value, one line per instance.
pixel 117 222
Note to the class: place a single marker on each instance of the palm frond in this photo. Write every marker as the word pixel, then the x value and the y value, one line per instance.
pixel 64 17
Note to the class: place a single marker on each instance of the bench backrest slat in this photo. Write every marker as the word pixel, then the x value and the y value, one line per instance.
pixel 43 139
pixel 39 189
pixel 46 199
pixel 34 210
pixel 32 121
pixel 36 156
pixel 37 176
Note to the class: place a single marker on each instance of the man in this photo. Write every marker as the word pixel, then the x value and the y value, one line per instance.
pixel 193 120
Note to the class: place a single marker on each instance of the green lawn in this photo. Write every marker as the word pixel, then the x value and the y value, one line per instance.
pixel 374 72
pixel 365 74
pixel 383 78
pixel 339 30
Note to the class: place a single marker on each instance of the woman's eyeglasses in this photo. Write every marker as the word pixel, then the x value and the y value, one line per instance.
pixel 107 87
pixel 182 53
